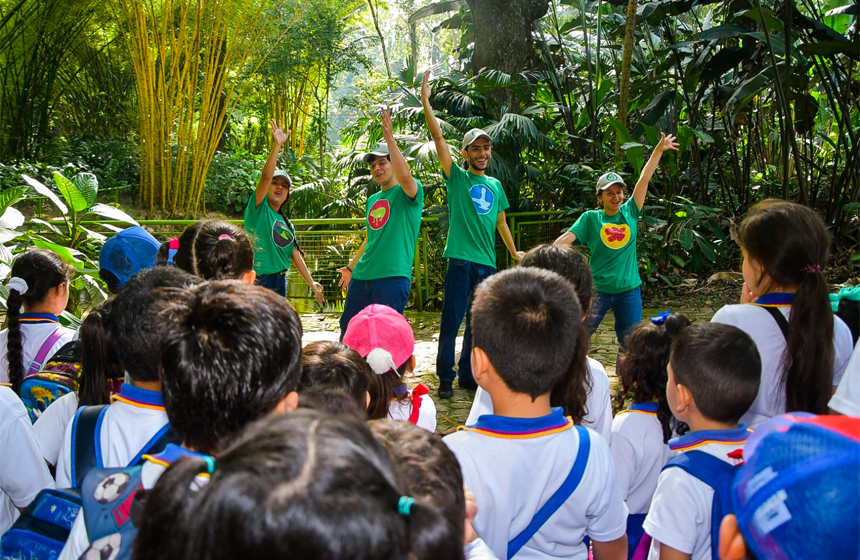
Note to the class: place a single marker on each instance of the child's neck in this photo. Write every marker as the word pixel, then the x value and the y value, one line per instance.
pixel 520 405
pixel 700 423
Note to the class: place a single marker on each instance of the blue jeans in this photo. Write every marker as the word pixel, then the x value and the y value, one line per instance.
pixel 275 282
pixel 392 291
pixel 461 279
pixel 627 307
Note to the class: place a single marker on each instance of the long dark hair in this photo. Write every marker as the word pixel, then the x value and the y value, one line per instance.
pixel 383 389
pixel 98 362
pixel 642 365
pixel 42 271
pixel 297 485
pixel 792 245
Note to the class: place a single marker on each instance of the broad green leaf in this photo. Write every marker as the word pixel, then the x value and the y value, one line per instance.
pixel 46 192
pixel 623 134
pixel 112 213
pixel 7 235
pixel 635 153
pixel 686 239
pixel 744 93
pixel 48 225
pixel 777 41
pixel 70 192
pixel 723 61
pixel 88 186
pixel 5 256
pixel 703 136
pixel 68 255
pixel 678 260
pixel 831 49
pixel 91 234
pixel 722 32
pixel 12 218
pixel 11 196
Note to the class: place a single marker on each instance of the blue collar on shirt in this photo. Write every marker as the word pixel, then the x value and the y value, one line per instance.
pixel 645 407
pixel 507 427
pixel 775 299
pixel 129 392
pixel 32 318
pixel 703 437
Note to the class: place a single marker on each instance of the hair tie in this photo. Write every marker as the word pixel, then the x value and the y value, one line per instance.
pixel 172 248
pixel 381 361
pixel 18 284
pixel 661 317
pixel 404 504
pixel 210 464
pixel 812 269
pixel 224 236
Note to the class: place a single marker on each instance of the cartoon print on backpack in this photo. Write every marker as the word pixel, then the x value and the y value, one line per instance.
pixel 281 234
pixel 106 548
pixel 111 487
pixel 483 198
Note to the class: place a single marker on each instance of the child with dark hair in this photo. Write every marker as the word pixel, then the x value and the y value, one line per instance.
pixel 641 432
pixel 332 401
pixel 216 377
pixel 136 414
pixel 785 309
pixel 325 487
pixel 39 283
pixel 328 364
pixel 713 378
pixel 583 393
pixel 124 255
pixel 384 338
pixel 542 483
pixel 177 251
pixel 214 250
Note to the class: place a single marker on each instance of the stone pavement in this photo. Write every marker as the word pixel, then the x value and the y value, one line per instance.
pixel 452 413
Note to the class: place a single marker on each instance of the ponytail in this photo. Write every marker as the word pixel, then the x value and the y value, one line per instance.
pixel 96 358
pixel 14 345
pixel 571 392
pixel 221 251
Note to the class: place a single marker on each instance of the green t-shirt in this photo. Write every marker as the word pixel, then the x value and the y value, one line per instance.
pixel 393 221
pixel 275 237
pixel 474 203
pixel 612 242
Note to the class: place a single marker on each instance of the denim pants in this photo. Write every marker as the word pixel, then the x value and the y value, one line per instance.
pixel 461 279
pixel 627 307
pixel 392 291
pixel 275 282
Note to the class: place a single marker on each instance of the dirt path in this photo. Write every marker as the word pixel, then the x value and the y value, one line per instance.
pixel 452 413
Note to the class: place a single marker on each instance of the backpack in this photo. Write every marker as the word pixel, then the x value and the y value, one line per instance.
pixel 43 528
pixel 110 511
pixel 717 474
pixel 46 381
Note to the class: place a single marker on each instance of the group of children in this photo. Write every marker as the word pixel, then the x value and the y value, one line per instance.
pixel 202 429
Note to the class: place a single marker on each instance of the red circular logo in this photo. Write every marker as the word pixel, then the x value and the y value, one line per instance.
pixel 378 215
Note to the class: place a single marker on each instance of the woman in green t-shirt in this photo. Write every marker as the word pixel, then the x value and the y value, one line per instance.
pixel 276 237
pixel 610 233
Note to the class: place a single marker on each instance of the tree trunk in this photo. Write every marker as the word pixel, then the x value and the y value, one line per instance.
pixel 626 60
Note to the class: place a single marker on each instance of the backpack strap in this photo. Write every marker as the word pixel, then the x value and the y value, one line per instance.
pixel 558 498
pixel 779 318
pixel 42 355
pixel 86 442
pixel 156 444
pixel 717 474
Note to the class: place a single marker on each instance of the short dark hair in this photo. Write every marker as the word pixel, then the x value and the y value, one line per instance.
pixel 527 321
pixel 135 328
pixel 330 364
pixel 569 263
pixel 721 367
pixel 231 352
pixel 426 465
pixel 331 400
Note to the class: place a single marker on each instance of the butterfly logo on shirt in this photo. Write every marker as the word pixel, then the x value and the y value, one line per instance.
pixel 483 198
pixel 615 236
pixel 379 214
pixel 281 235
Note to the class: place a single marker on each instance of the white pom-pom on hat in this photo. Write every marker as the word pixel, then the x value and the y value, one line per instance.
pixel 380 361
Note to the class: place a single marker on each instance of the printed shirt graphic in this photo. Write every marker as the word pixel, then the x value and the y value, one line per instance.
pixel 474 203
pixel 393 221
pixel 612 242
pixel 275 238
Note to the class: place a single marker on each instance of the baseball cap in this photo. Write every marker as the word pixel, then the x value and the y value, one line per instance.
pixel 380 150
pixel 378 327
pixel 282 173
pixel 128 252
pixel 798 494
pixel 608 179
pixel 473 135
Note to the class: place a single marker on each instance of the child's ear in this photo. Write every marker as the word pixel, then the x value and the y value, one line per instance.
pixel 287 404
pixel 480 363
pixel 732 544
pixel 366 400
pixel 250 277
pixel 412 362
pixel 685 397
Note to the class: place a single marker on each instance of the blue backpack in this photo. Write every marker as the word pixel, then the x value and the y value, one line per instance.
pixel 42 530
pixel 717 474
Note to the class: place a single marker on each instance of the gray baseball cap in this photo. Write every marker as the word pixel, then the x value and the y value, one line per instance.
pixel 282 173
pixel 473 135
pixel 608 179
pixel 380 150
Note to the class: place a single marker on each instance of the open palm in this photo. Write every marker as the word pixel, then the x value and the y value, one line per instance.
pixel 277 132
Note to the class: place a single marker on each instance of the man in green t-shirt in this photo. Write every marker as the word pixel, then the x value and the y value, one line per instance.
pixel 381 271
pixel 476 209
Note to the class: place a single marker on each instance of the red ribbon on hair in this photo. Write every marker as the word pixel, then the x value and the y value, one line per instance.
pixel 417 393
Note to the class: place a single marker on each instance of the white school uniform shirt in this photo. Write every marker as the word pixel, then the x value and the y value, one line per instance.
pixel 770 341
pixel 50 428
pixel 598 407
pixel 680 514
pixel 23 473
pixel 150 471
pixel 640 454
pixel 403 410
pixel 847 398
pixel 514 465
pixel 35 329
pixel 134 416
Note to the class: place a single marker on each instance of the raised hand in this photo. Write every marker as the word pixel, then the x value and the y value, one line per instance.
pixel 278 134
pixel 386 122
pixel 425 88
pixel 519 255
pixel 666 143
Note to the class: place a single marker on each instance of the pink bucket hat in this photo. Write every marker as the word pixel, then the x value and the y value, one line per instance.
pixel 382 336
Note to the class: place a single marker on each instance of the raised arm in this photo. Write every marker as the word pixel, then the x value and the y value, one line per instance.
pixel 398 162
pixel 665 143
pixel 435 130
pixel 505 232
pixel 279 137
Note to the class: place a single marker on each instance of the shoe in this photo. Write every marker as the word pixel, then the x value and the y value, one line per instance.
pixel 468 384
pixel 446 391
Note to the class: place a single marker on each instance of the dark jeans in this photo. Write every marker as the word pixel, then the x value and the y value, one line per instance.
pixel 275 282
pixel 461 279
pixel 392 291
pixel 627 307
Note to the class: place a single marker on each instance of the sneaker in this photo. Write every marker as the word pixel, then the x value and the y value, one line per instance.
pixel 468 384
pixel 446 391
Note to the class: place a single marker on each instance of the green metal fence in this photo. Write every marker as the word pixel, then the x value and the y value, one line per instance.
pixel 330 244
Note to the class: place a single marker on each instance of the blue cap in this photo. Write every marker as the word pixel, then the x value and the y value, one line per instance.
pixel 128 252
pixel 798 494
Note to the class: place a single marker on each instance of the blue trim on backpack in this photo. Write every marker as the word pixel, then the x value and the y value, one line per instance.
pixel 97 438
pixel 558 498
pixel 635 531
pixel 74 438
pixel 146 448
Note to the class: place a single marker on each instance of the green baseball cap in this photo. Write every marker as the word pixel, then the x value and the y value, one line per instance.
pixel 608 179
pixel 473 135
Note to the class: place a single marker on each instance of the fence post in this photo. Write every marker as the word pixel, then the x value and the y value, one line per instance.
pixel 417 267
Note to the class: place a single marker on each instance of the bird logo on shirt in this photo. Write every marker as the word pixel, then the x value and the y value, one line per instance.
pixel 281 234
pixel 379 214
pixel 615 236
pixel 483 198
